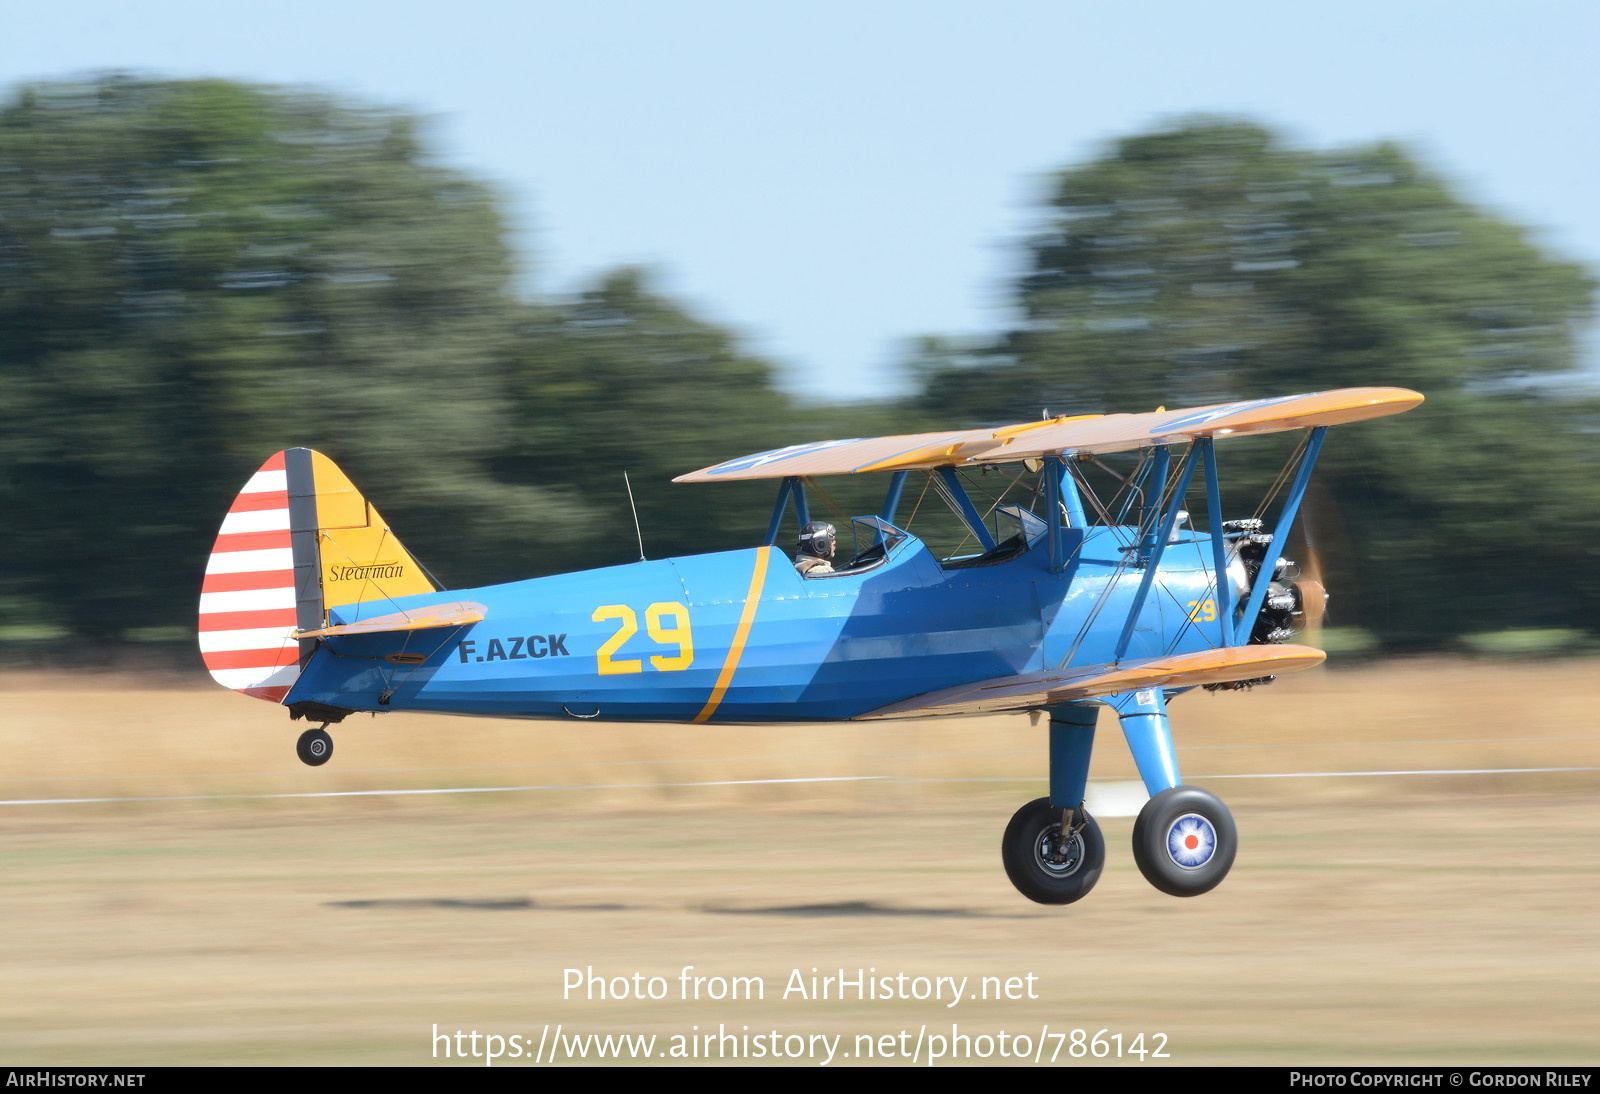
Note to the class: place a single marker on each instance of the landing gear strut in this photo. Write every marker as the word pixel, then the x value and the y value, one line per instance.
pixel 1053 850
pixel 315 747
pixel 1184 839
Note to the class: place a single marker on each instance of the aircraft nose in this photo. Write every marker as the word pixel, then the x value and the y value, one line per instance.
pixel 1313 602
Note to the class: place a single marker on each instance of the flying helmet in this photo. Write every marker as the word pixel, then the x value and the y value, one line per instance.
pixel 817 538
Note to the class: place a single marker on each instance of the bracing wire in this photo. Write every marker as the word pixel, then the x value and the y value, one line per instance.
pixel 635 509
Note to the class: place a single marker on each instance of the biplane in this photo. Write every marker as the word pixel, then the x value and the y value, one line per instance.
pixel 1081 595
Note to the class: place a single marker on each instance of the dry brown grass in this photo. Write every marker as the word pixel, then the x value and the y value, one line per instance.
pixel 1443 919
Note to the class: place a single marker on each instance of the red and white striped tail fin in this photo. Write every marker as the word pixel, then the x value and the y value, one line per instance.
pixel 247 603
pixel 298 540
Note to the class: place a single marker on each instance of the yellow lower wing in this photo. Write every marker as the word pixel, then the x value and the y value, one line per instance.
pixel 1031 691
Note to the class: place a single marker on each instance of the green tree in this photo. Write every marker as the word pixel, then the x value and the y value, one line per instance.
pixel 1208 261
pixel 196 274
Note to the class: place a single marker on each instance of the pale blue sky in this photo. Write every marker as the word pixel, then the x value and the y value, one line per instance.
pixel 833 178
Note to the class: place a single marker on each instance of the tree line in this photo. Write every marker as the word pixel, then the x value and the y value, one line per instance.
pixel 195 274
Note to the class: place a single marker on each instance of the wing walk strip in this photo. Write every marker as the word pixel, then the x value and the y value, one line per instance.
pixel 747 618
pixel 247 602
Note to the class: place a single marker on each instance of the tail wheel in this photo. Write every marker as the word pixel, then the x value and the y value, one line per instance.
pixel 1046 866
pixel 1184 841
pixel 314 747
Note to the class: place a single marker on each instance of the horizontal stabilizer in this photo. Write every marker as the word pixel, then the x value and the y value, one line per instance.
pixel 417 619
pixel 1031 691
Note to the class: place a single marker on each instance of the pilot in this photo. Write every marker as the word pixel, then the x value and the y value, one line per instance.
pixel 815 550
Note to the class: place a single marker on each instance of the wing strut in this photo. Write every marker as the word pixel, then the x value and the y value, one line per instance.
pixel 1280 536
pixel 792 487
pixel 1162 521
pixel 891 501
pixel 1219 546
pixel 955 494
pixel 1154 484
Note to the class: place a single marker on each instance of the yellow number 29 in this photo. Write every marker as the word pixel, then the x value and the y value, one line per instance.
pixel 668 625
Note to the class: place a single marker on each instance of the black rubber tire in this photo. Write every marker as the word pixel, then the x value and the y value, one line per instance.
pixel 1034 831
pixel 314 747
pixel 1184 841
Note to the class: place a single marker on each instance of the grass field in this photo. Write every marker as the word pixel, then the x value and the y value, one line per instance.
pixel 1370 919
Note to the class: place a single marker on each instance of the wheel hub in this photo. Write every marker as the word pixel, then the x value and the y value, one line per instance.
pixel 1060 856
pixel 1191 841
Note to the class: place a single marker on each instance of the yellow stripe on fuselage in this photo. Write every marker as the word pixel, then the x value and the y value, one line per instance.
pixel 741 635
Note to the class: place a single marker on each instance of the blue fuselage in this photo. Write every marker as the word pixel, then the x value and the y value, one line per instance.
pixel 739 636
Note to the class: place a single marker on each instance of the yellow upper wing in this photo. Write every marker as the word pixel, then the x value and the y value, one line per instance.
pixel 1063 436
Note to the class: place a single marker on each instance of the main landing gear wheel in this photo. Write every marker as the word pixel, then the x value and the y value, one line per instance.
pixel 1045 867
pixel 314 747
pixel 1184 841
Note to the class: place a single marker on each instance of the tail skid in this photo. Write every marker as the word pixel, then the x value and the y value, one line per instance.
pixel 298 540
